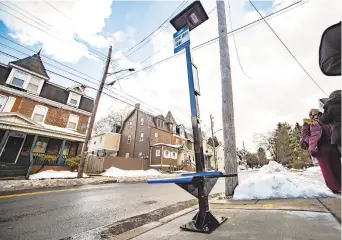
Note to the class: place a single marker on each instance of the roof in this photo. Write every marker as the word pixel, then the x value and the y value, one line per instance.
pixel 169 118
pixel 167 145
pixel 32 63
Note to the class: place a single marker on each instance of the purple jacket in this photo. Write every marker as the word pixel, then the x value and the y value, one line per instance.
pixel 314 133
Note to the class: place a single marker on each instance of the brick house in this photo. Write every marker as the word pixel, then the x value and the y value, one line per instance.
pixel 157 138
pixel 38 116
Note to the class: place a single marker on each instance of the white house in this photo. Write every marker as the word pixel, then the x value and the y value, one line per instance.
pixel 104 144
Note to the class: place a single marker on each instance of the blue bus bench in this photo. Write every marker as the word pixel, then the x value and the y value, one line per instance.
pixel 199 185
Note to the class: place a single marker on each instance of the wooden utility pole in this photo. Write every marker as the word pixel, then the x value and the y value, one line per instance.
pixel 212 139
pixel 93 116
pixel 230 160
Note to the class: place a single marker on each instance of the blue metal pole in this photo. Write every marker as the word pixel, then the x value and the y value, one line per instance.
pixel 199 158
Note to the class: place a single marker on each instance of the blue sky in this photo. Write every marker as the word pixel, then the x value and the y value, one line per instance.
pixel 274 73
pixel 142 16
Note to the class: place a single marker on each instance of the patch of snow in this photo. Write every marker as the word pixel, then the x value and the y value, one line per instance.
pixel 313 171
pixel 117 172
pixel 272 167
pixel 275 181
pixel 182 171
pixel 52 174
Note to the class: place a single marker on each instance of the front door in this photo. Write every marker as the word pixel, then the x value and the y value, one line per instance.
pixel 11 149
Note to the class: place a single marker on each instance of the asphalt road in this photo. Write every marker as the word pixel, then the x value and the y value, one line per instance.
pixel 56 215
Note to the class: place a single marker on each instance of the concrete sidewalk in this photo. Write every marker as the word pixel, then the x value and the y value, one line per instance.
pixel 265 219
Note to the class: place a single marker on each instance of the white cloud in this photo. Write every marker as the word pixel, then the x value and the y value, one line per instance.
pixel 279 89
pixel 83 21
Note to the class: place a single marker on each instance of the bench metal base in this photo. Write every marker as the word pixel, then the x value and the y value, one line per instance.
pixel 206 225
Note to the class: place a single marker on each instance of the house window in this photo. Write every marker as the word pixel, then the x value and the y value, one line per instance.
pixel 129 139
pixel 74 99
pixel 157 153
pixel 142 121
pixel 66 149
pixel 130 125
pixel 73 121
pixel 166 154
pixel 101 138
pixel 3 100
pixel 41 145
pixel 19 79
pixel 140 155
pixel 155 137
pixel 174 155
pixel 33 85
pixel 39 113
pixel 141 137
pixel 127 155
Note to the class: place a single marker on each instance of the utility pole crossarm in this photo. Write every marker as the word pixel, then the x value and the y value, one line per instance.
pixel 93 116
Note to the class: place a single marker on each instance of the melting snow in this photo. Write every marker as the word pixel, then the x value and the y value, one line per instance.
pixel 117 172
pixel 51 174
pixel 313 171
pixel 275 181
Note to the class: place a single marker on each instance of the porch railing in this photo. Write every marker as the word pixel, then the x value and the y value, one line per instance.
pixel 49 159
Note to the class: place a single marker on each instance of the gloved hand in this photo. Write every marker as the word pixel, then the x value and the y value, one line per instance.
pixel 314 152
pixel 304 145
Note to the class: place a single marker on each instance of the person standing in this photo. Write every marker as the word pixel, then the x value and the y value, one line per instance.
pixel 316 137
pixel 332 116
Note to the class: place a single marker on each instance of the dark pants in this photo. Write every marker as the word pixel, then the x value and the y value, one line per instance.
pixel 329 159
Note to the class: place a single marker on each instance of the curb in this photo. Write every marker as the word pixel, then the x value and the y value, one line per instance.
pixel 152 225
pixel 27 190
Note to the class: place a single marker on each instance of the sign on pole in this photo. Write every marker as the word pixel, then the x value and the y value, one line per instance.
pixel 196 79
pixel 181 39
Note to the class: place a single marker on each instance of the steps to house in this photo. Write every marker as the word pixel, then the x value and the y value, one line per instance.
pixel 10 170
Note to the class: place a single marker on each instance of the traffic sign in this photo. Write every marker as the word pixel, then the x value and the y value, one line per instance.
pixel 181 39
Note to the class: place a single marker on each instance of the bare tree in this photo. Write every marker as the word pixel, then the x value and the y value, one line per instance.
pixel 112 120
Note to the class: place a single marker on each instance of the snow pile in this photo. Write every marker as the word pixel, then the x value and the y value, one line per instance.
pixel 51 174
pixel 313 171
pixel 272 167
pixel 275 181
pixel 117 172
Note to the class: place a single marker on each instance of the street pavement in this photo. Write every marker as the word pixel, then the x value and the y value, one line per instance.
pixel 59 214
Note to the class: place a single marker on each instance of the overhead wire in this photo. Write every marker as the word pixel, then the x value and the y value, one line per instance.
pixel 167 44
pixel 233 35
pixel 70 79
pixel 213 40
pixel 290 52
pixel 51 59
pixel 92 51
pixel 147 39
pixel 50 64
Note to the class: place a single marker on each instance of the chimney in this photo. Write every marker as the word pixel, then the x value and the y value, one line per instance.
pixel 137 106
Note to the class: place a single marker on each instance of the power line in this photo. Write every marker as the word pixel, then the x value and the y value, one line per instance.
pixel 31 14
pixel 167 44
pixel 128 52
pixel 50 64
pixel 50 58
pixel 236 50
pixel 213 40
pixel 57 10
pixel 98 54
pixel 150 108
pixel 294 57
